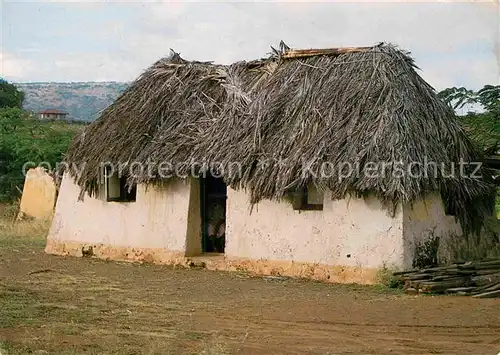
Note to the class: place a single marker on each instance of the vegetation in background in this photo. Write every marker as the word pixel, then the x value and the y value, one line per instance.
pixel 482 127
pixel 385 277
pixel 25 139
pixel 10 95
pixel 488 97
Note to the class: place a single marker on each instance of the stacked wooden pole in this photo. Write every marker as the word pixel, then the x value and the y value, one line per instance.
pixel 479 279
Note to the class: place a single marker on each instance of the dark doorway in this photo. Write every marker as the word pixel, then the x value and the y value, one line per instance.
pixel 213 214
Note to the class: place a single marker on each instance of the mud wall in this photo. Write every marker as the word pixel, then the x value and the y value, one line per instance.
pixel 423 221
pixel 158 218
pixel 352 232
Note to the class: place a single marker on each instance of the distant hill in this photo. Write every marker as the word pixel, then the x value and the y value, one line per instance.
pixel 82 100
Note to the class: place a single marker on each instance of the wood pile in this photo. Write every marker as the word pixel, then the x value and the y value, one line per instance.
pixel 479 279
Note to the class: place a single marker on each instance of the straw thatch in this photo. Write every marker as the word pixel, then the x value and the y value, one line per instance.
pixel 158 117
pixel 353 108
pixel 284 118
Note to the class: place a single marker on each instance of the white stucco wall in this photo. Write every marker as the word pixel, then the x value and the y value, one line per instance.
pixel 422 220
pixel 158 218
pixel 350 232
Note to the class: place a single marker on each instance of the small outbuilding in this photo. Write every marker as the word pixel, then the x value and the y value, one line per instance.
pixel 328 164
pixel 52 115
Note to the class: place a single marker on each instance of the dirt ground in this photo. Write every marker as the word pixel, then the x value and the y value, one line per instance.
pixel 58 305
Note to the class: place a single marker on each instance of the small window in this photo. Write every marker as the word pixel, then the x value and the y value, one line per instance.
pixel 117 191
pixel 448 206
pixel 448 210
pixel 308 199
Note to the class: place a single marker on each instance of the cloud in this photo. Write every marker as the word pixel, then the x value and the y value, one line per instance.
pixel 454 44
pixel 473 73
pixel 97 67
pixel 12 68
pixel 441 36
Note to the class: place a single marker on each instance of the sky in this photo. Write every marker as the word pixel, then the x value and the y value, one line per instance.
pixel 454 44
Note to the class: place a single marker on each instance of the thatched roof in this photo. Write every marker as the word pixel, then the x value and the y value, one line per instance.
pixel 158 117
pixel 295 109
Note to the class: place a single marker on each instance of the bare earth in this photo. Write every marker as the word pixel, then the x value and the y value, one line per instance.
pixel 87 306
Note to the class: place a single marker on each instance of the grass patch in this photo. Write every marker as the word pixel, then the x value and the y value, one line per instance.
pixel 16 306
pixel 386 279
pixel 497 205
pixel 26 233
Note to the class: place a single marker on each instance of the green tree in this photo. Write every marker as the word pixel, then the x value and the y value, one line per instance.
pixel 482 127
pixel 488 97
pixel 24 140
pixel 10 95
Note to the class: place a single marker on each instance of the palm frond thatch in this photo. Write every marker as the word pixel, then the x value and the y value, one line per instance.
pixel 157 118
pixel 282 118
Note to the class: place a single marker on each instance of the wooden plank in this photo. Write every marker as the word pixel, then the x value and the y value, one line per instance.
pixel 436 280
pixel 419 277
pixel 487 288
pixel 442 286
pixel 493 287
pixel 479 265
pixel 400 273
pixel 450 277
pixel 300 53
pixel 412 284
pixel 487 271
pixel 429 270
pixel 490 294
pixel 411 291
pixel 488 262
pixel 460 289
pixel 482 280
pixel 466 268
pixel 486 267
pixel 440 268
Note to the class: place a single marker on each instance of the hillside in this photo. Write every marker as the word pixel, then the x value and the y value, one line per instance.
pixel 82 100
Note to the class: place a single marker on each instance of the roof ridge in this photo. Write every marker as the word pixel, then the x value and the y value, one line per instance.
pixel 299 53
